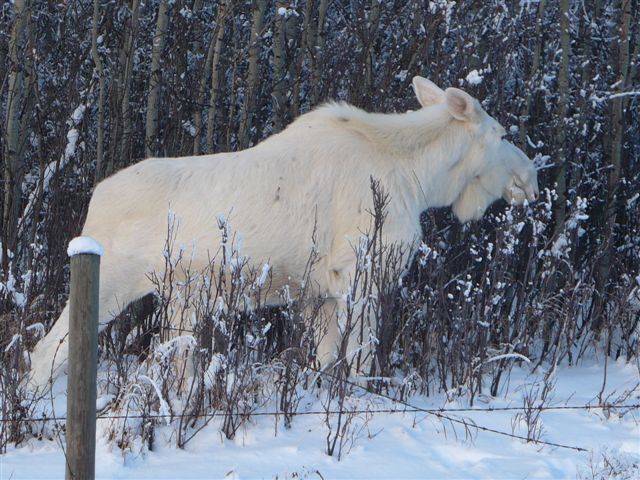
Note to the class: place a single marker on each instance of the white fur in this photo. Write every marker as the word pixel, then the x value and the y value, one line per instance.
pixel 449 152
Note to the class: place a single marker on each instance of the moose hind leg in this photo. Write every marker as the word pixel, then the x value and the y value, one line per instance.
pixel 121 282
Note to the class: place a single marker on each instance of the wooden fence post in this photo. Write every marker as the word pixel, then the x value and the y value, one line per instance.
pixel 82 364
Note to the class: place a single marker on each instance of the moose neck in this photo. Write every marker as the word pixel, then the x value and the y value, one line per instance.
pixel 414 153
pixel 431 173
pixel 403 134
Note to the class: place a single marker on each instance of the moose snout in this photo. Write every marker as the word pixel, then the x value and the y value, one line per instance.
pixel 531 188
pixel 523 187
pixel 531 192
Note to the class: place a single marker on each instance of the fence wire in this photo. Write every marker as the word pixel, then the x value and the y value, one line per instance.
pixel 431 411
pixel 441 413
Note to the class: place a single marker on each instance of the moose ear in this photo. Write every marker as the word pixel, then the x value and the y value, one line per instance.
pixel 427 92
pixel 462 105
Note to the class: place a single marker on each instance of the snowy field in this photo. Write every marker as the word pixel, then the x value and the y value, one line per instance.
pixel 395 445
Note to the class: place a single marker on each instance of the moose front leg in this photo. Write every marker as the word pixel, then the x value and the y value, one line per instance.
pixel 349 341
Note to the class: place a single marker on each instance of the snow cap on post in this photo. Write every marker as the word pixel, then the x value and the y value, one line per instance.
pixel 84 246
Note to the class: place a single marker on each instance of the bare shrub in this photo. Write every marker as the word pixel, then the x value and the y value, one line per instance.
pixel 610 464
pixel 18 405
pixel 212 346
pixel 481 299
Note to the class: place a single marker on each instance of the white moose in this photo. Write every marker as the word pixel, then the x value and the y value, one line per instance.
pixel 450 152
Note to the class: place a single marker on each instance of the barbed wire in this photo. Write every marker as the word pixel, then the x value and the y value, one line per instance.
pixel 463 422
pixel 441 413
pixel 333 412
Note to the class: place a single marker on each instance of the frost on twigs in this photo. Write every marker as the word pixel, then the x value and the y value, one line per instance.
pixel 474 77
pixel 212 349
pixel 84 246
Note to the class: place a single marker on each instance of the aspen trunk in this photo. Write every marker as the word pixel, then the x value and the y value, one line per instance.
pixel 231 103
pixel 159 39
pixel 202 86
pixel 95 55
pixel 215 73
pixel 617 112
pixel 127 79
pixel 15 136
pixel 534 73
pixel 279 71
pixel 121 129
pixel 618 106
pixel 296 76
pixel 560 207
pixel 318 53
pixel 311 30
pixel 293 45
pixel 249 107
pixel 373 21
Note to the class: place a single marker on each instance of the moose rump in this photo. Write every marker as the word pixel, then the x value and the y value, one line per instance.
pixel 313 175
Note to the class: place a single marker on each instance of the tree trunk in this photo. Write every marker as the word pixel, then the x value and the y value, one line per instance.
pixel 159 39
pixel 318 53
pixel 533 73
pixel 120 127
pixel 230 104
pixel 279 71
pixel 249 107
pixel 617 106
pixel 560 207
pixel 95 55
pixel 303 51
pixel 369 51
pixel 215 73
pixel 15 136
pixel 202 85
pixel 127 69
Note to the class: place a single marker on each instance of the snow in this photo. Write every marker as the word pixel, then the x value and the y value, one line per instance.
pixel 598 99
pixel 17 338
pixel 215 366
pixel 402 75
pixel 391 445
pixel 189 128
pixel 84 246
pixel 104 401
pixel 72 139
pixel 508 356
pixel 55 166
pixel 288 12
pixel 78 114
pixel 264 274
pixel 625 94
pixel 559 247
pixel 474 77
pixel 186 12
pixel 37 327
pixel 10 287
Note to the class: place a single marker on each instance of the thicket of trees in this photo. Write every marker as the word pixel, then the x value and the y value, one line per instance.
pixel 88 87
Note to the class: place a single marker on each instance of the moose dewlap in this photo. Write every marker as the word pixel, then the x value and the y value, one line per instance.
pixel 314 174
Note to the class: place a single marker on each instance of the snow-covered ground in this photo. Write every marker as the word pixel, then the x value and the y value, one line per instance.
pixel 394 445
